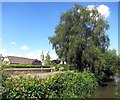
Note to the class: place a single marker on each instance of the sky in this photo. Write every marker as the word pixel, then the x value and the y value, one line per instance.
pixel 26 26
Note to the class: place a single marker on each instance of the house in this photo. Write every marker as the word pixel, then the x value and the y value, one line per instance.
pixel 1 58
pixel 20 60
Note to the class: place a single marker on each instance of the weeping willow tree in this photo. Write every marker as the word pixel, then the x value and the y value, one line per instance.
pixel 80 37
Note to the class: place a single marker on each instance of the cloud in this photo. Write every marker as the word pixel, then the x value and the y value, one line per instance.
pixel 36 54
pixel 24 47
pixel 103 9
pixel 33 54
pixel 13 43
pixel 91 7
pixel 3 52
pixel 53 56
pixel 78 10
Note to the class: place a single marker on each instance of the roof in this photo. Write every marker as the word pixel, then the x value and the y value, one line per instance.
pixel 1 57
pixel 20 60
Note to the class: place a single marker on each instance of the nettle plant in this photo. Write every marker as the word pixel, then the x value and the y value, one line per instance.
pixel 64 85
pixel 24 88
pixel 71 85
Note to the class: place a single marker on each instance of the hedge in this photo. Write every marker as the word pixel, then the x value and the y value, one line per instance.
pixel 64 85
pixel 22 88
pixel 71 85
pixel 24 66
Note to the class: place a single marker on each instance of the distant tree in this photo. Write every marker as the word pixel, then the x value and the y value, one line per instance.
pixel 54 62
pixel 110 63
pixel 47 59
pixel 118 68
pixel 111 58
pixel 119 59
pixel 80 37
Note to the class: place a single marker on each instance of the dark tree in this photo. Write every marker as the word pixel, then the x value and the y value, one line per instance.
pixel 80 37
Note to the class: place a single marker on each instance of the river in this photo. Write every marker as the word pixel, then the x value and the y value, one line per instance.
pixel 107 91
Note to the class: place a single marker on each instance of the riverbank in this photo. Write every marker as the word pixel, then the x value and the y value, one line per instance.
pixel 108 90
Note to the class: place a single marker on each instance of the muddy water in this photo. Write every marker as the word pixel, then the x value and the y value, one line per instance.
pixel 107 91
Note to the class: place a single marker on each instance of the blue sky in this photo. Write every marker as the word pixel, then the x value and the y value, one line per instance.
pixel 27 26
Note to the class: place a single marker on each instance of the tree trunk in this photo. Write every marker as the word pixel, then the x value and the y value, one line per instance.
pixel 93 69
pixel 79 60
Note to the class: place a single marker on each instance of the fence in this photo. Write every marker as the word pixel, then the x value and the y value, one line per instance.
pixel 15 70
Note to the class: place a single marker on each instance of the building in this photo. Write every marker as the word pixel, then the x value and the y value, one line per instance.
pixel 1 58
pixel 20 60
pixel 42 57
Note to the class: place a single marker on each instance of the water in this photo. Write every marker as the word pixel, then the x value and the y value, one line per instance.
pixel 107 91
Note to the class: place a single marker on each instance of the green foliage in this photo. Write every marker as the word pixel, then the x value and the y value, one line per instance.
pixel 65 85
pixel 24 66
pixel 55 62
pixel 47 60
pixel 71 85
pixel 22 88
pixel 118 90
pixel 61 67
pixel 111 59
pixel 5 74
pixel 110 64
pixel 118 67
pixel 57 67
pixel 106 64
pixel 80 36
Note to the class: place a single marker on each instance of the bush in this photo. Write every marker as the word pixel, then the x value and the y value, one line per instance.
pixel 71 85
pixel 22 88
pixel 24 66
pixel 118 90
pixel 62 67
pixel 64 85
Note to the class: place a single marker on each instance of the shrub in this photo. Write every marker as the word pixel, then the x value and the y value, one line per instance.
pixel 24 66
pixel 118 90
pixel 22 88
pixel 71 85
pixel 62 67
pixel 53 69
pixel 64 85
pixel 65 66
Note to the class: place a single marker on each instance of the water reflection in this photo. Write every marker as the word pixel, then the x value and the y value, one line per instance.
pixel 117 79
pixel 108 91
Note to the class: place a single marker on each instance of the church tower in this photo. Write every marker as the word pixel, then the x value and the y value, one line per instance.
pixel 42 58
